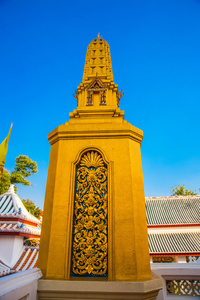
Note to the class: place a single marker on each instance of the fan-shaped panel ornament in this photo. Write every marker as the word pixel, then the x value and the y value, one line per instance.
pixel 92 159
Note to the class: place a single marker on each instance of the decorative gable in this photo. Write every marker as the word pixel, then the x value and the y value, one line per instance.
pixel 96 84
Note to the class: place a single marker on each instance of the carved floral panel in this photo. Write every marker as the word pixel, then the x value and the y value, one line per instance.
pixel 183 287
pixel 90 223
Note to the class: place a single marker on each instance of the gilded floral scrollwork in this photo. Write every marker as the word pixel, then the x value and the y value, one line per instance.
pixel 89 247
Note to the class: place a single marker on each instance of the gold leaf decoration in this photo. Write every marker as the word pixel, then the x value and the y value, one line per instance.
pixel 90 224
pixel 92 159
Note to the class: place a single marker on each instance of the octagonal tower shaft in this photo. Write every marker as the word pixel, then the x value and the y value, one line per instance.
pixel 83 214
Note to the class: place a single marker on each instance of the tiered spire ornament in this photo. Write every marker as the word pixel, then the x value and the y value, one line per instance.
pixel 98 90
pixel 98 60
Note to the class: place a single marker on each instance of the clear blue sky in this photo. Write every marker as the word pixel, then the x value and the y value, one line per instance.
pixel 155 52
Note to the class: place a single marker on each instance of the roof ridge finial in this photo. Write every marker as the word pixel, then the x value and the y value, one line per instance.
pixel 98 35
pixel 11 189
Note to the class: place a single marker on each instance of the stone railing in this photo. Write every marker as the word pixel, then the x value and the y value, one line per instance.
pixel 179 280
pixel 21 285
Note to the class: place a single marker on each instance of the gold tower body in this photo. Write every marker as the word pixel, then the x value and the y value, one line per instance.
pixel 94 222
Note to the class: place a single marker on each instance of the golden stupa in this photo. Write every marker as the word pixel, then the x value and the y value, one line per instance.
pixel 94 223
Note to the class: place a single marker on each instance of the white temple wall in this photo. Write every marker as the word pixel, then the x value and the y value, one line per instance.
pixel 11 248
pixel 182 259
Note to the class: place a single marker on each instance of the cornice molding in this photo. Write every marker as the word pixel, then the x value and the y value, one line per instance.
pixel 63 132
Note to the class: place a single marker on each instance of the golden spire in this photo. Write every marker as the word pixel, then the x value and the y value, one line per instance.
pixel 97 94
pixel 98 60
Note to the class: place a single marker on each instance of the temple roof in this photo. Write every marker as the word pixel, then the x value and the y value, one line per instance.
pixel 19 227
pixel 27 260
pixel 5 270
pixel 12 206
pixel 15 220
pixel 174 210
pixel 174 243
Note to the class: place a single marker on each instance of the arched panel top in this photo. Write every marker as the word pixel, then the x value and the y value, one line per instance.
pixel 92 155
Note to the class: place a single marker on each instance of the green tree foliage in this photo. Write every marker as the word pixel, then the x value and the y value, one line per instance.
pixel 24 167
pixel 180 190
pixel 32 208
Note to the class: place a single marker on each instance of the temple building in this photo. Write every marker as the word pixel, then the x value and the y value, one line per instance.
pixel 19 235
pixel 174 228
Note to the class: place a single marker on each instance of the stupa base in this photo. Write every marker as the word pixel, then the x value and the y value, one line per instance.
pixel 99 290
